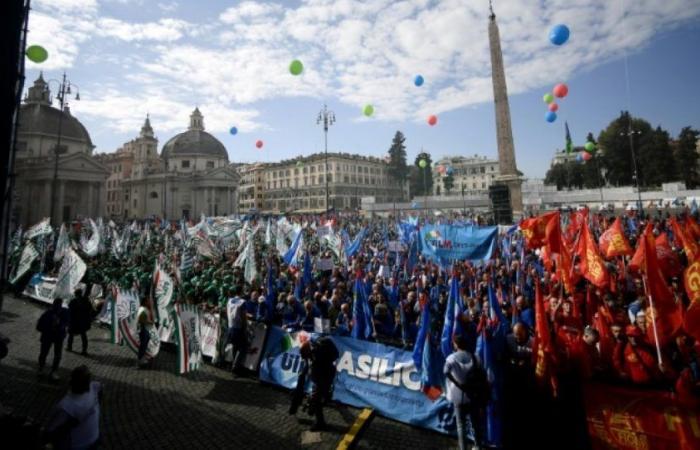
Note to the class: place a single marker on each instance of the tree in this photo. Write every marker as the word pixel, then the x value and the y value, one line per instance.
pixel 397 158
pixel 656 159
pixel 421 178
pixel 448 182
pixel 617 153
pixel 686 157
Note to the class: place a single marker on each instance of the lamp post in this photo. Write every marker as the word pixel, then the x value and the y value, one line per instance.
pixel 630 133
pixel 327 118
pixel 64 87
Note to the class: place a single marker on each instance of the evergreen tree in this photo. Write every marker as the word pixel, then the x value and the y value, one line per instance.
pixel 686 156
pixel 421 178
pixel 656 159
pixel 448 182
pixel 397 158
pixel 614 142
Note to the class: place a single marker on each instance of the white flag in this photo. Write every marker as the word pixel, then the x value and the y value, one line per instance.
pixel 164 295
pixel 29 254
pixel 268 233
pixel 62 245
pixel 92 245
pixel 40 229
pixel 189 337
pixel 250 272
pixel 72 270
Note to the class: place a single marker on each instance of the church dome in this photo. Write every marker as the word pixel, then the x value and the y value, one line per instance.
pixel 194 141
pixel 37 116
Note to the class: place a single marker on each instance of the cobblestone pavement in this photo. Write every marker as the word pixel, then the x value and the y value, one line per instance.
pixel 159 409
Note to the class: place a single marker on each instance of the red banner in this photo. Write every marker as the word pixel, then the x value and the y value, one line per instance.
pixel 639 419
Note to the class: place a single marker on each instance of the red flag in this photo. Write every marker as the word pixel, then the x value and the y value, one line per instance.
pixel 564 262
pixel 692 227
pixel 540 230
pixel 668 259
pixel 543 346
pixel 592 265
pixel 691 280
pixel 666 312
pixel 613 241
pixel 685 240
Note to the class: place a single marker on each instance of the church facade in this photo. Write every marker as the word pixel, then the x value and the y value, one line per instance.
pixel 54 164
pixel 191 176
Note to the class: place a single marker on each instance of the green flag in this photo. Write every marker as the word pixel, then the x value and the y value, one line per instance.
pixel 569 144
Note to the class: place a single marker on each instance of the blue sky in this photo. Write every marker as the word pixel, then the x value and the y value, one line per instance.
pixel 230 58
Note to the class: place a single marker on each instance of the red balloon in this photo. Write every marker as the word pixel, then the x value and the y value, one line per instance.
pixel 553 107
pixel 432 120
pixel 586 156
pixel 259 144
pixel 560 90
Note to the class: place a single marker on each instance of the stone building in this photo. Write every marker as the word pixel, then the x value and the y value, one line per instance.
pixel 191 176
pixel 472 174
pixel 299 184
pixel 251 188
pixel 54 161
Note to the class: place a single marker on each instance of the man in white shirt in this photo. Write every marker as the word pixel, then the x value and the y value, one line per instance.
pixel 237 329
pixel 75 421
pixel 460 368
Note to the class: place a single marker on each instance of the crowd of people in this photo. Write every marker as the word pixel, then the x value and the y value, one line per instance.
pixel 549 323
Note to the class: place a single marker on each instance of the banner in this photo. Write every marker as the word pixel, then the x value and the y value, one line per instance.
pixel 125 305
pixel 188 336
pixel 324 264
pixel 396 246
pixel 163 307
pixel 369 375
pixel 211 330
pixel 627 418
pixel 62 244
pixel 29 254
pixel 72 270
pixel 447 243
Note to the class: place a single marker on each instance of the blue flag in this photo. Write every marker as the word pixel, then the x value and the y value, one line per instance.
pixel 308 276
pixel 292 255
pixel 422 336
pixel 448 328
pixel 412 257
pixel 361 313
pixel 270 294
pixel 356 244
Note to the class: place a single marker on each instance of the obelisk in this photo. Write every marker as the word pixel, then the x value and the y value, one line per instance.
pixel 504 134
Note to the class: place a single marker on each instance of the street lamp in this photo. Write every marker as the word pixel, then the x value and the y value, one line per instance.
pixel 630 133
pixel 327 118
pixel 64 87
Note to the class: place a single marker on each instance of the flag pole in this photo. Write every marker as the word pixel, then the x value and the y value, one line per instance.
pixel 653 320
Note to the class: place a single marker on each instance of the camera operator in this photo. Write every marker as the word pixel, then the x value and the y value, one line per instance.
pixel 321 355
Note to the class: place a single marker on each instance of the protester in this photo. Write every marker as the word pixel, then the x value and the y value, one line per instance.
pixel 321 355
pixel 80 320
pixel 74 423
pixel 145 326
pixel 52 325
pixel 237 331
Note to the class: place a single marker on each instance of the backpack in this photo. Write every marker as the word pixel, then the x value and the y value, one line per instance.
pixel 477 385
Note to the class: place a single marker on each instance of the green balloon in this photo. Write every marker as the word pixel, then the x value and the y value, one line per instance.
pixel 589 146
pixel 37 53
pixel 368 110
pixel 296 67
pixel 548 98
pixel 422 163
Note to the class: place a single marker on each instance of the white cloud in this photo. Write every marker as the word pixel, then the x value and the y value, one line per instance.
pixel 165 30
pixel 356 52
pixel 168 6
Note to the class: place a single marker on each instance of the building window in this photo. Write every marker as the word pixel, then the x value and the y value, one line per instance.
pixel 185 164
pixel 483 185
pixel 346 179
pixel 153 194
pixel 329 177
pixel 483 169
pixel 210 164
pixel 492 169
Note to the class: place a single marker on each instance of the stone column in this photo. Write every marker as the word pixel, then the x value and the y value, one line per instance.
pixel 90 210
pixel 59 202
pixel 504 134
pixel 46 202
pixel 229 208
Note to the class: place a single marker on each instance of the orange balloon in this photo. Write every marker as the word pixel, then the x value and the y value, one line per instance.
pixel 432 120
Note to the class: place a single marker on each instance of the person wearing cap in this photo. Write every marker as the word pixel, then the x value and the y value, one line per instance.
pixel 261 310
pixel 321 354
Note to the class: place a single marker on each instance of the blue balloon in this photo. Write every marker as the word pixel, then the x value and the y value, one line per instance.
pixel 559 34
pixel 550 116
pixel 450 171
pixel 579 157
pixel 234 130
pixel 418 81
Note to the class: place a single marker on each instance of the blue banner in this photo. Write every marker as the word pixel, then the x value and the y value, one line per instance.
pixel 445 244
pixel 368 375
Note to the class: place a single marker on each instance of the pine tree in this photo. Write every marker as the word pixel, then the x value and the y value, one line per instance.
pixel 686 156
pixel 397 158
pixel 448 181
pixel 421 178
